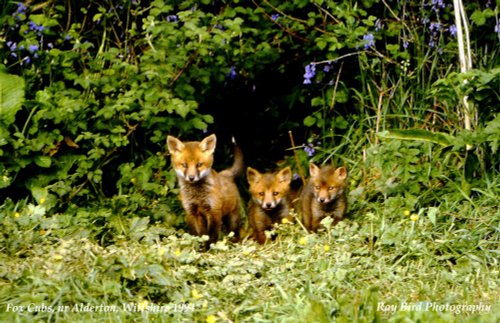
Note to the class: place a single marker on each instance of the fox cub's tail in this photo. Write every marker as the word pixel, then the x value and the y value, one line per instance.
pixel 238 166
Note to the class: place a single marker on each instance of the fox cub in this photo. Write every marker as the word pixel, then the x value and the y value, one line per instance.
pixel 209 198
pixel 269 201
pixel 324 195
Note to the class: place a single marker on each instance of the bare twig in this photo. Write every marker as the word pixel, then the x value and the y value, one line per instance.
pixel 299 166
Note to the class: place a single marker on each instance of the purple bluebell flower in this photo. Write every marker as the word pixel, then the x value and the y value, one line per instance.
pixel 33 48
pixel 21 10
pixel 369 40
pixel 406 44
pixel 309 149
pixel 453 30
pixel 327 67
pixel 437 4
pixel 67 37
pixel 275 16
pixel 434 26
pixel 497 28
pixel 172 18
pixel 12 46
pixel 50 45
pixel 232 73
pixel 310 73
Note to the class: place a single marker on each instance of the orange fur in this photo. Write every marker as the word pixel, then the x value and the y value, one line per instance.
pixel 209 198
pixel 270 201
pixel 324 195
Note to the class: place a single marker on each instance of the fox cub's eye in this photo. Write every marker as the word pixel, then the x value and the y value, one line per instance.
pixel 331 188
pixel 317 187
pixel 261 193
pixel 199 165
pixel 275 193
pixel 184 165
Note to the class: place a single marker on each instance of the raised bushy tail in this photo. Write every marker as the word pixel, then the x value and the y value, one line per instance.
pixel 238 167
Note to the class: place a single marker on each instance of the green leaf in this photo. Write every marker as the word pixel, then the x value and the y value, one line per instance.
pixel 43 161
pixel 478 17
pixel 317 102
pixel 11 97
pixel 309 121
pixel 432 214
pixel 419 134
pixel 199 124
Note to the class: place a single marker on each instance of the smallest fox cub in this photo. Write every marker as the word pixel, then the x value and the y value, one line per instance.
pixel 324 195
pixel 269 201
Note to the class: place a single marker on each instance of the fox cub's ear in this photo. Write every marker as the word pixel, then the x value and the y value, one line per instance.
pixel 207 145
pixel 341 173
pixel 313 170
pixel 174 145
pixel 285 175
pixel 253 176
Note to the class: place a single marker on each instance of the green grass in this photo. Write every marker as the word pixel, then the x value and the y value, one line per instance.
pixel 379 256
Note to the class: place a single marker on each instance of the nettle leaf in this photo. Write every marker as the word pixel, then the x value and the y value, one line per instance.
pixel 479 17
pixel 11 96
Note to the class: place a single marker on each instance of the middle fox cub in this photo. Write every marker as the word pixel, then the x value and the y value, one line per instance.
pixel 324 195
pixel 209 198
pixel 269 201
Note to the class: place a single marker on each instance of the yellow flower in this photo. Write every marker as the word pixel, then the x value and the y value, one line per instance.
pixel 57 256
pixel 17 214
pixel 326 248
pixel 284 221
pixel 143 305
pixel 177 252
pixel 133 180
pixel 196 294
pixel 42 200
pixel 414 217
pixel 303 241
pixel 211 319
pixel 406 212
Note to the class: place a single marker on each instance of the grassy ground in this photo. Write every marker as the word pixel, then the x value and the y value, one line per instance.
pixel 383 263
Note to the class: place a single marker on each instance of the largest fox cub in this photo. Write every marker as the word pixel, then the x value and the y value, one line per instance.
pixel 209 198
